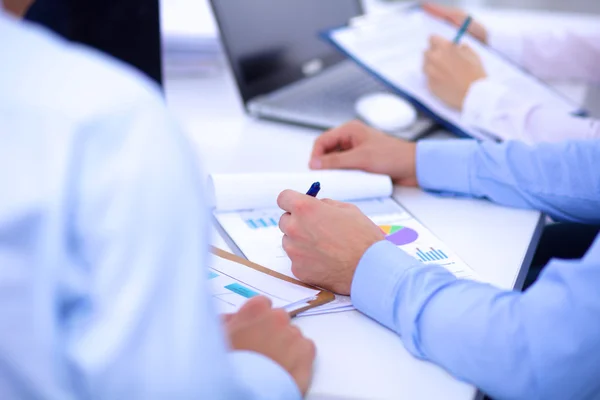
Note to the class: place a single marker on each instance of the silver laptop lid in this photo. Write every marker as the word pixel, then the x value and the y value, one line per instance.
pixel 271 44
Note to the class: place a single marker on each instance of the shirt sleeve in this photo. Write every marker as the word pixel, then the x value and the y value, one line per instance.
pixel 143 325
pixel 560 179
pixel 508 115
pixel 560 54
pixel 538 345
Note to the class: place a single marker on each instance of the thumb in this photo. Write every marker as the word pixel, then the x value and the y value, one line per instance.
pixel 350 159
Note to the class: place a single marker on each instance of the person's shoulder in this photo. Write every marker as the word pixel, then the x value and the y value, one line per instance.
pixel 48 73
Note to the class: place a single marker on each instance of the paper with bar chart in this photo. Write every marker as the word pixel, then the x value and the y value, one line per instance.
pixel 256 233
pixel 233 284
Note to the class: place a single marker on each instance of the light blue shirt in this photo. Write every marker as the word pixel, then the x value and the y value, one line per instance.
pixel 541 344
pixel 103 239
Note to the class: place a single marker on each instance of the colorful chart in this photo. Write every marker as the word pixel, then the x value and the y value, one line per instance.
pixel 431 255
pixel 399 235
pixel 261 223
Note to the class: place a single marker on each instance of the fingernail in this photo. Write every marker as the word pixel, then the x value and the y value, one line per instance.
pixel 315 163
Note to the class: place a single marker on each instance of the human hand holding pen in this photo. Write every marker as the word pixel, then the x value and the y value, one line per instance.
pixel 451 70
pixel 457 17
pixel 325 239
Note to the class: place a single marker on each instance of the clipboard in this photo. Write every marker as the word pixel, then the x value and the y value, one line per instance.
pixel 366 21
pixel 322 298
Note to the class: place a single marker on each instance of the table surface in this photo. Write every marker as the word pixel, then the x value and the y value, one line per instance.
pixel 357 358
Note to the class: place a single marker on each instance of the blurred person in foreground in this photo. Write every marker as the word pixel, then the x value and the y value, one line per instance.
pixel 104 244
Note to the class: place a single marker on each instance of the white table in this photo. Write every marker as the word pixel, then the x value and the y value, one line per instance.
pixel 357 358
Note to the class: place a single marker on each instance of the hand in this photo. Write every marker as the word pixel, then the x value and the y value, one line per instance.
pixel 357 146
pixel 259 328
pixel 457 17
pixel 451 70
pixel 325 239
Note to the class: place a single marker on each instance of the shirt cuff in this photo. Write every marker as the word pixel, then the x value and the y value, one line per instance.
pixel 379 274
pixel 263 377
pixel 508 44
pixel 445 166
pixel 481 104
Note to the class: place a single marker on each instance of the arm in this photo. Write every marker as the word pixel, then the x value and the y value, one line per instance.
pixel 143 325
pixel 562 180
pixel 553 55
pixel 542 344
pixel 508 115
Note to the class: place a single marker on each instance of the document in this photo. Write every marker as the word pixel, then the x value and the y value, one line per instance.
pixel 233 284
pixel 246 211
pixel 392 47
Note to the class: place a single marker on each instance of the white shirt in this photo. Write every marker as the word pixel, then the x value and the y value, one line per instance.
pixel 103 239
pixel 510 114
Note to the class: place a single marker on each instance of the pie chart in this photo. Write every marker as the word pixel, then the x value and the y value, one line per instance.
pixel 399 235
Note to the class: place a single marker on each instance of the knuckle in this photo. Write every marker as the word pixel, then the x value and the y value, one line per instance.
pixel 299 271
pixel 303 206
pixel 280 317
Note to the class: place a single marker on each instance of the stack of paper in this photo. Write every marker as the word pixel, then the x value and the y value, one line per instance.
pixel 251 221
pixel 233 284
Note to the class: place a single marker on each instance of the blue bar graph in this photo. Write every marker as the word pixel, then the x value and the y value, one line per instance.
pixel 259 223
pixel 212 275
pixel 241 290
pixel 432 255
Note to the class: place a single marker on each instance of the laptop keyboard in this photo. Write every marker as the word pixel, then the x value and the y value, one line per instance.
pixel 325 100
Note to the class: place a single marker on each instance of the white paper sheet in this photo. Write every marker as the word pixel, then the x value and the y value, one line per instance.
pixel 393 47
pixel 257 235
pixel 233 284
pixel 234 192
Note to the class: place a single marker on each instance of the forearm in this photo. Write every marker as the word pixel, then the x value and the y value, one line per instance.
pixel 508 115
pixel 494 339
pixel 572 54
pixel 562 180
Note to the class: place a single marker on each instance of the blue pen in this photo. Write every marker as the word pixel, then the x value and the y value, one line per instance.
pixel 314 189
pixel 463 29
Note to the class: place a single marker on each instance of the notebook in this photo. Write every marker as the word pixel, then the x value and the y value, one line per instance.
pixel 247 216
pixel 391 47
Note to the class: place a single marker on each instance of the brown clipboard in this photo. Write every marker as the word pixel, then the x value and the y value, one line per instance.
pixel 323 297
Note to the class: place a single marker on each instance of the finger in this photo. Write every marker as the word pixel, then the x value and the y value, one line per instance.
pixel 334 140
pixel 284 222
pixel 432 73
pixel 286 244
pixel 225 318
pixel 256 306
pixel 330 141
pixel 436 10
pixel 335 203
pixel 280 317
pixel 294 202
pixel 438 42
pixel 352 159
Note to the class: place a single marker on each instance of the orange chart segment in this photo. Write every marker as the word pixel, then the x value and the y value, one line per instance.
pixel 399 235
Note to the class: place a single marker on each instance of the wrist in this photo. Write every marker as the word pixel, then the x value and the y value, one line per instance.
pixel 405 172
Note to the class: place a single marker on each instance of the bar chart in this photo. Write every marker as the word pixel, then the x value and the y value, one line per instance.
pixel 431 255
pixel 258 223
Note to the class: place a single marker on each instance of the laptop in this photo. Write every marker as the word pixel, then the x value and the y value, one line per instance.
pixel 285 72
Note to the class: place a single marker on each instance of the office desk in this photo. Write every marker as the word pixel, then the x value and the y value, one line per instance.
pixel 357 358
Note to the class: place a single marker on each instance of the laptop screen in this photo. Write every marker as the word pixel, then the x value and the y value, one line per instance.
pixel 271 44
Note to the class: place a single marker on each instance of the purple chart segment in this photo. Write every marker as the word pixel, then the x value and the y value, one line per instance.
pixel 400 235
